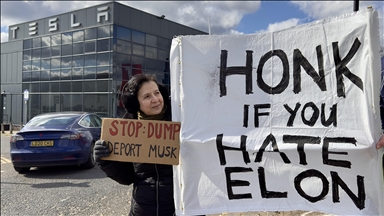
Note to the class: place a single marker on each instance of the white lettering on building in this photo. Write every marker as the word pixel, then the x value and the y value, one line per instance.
pixel 73 24
pixel 52 24
pixel 13 29
pixel 105 13
pixel 33 28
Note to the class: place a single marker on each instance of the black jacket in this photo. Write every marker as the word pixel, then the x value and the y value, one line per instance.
pixel 152 183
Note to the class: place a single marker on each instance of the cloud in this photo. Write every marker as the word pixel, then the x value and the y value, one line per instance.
pixel 4 36
pixel 280 25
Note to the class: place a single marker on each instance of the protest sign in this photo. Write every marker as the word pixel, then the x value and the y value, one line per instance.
pixel 142 141
pixel 280 121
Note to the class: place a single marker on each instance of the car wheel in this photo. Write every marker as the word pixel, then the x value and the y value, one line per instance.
pixel 22 170
pixel 91 159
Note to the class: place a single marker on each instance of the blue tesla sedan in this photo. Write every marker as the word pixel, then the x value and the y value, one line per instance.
pixel 53 139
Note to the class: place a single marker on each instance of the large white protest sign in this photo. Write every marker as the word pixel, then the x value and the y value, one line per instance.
pixel 280 121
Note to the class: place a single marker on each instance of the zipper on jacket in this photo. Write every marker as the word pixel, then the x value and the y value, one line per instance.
pixel 157 191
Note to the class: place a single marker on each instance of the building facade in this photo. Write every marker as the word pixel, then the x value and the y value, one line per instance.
pixel 80 60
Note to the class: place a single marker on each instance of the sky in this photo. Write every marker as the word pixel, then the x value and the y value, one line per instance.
pixel 218 17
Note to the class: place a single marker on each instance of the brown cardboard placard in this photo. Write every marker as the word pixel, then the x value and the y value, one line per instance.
pixel 143 141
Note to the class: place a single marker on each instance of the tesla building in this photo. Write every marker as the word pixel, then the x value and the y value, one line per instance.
pixel 80 60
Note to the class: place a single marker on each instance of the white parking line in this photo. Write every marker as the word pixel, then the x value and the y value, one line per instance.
pixel 5 160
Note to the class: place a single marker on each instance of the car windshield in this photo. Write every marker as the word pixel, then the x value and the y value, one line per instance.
pixel 49 121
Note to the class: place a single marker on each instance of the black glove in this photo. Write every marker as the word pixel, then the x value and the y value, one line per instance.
pixel 101 149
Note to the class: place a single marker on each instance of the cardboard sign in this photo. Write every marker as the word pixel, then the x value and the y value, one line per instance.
pixel 142 141
pixel 280 121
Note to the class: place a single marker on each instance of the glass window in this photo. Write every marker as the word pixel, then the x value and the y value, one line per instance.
pixel 102 86
pixel 55 39
pixel 65 100
pixel 77 86
pixel 55 75
pixel 90 60
pixel 66 62
pixel 117 73
pixel 96 120
pixel 44 87
pixel 78 48
pixel 90 103
pixel 137 49
pixel 46 52
pixel 150 52
pixel 27 44
pixel 90 73
pixel 35 76
pixel 44 75
pixel 85 122
pixel 124 60
pixel 78 61
pixel 78 36
pixel 36 65
pixel 150 40
pixel 102 73
pixel 66 49
pixel 163 43
pixel 27 65
pixel 89 86
pixel 163 55
pixel 55 87
pixel 66 87
pixel 89 46
pixel 44 105
pixel 90 34
pixel 35 87
pixel 46 41
pixel 66 38
pixel 45 64
pixel 65 74
pixel 101 107
pixel 103 45
pixel 36 53
pixel 34 105
pixel 55 51
pixel 77 102
pixel 103 31
pixel 163 66
pixel 138 37
pixel 123 47
pixel 27 77
pixel 102 59
pixel 54 100
pixel 55 63
pixel 77 73
pixel 137 62
pixel 123 33
pixel 27 55
pixel 150 64
pixel 36 42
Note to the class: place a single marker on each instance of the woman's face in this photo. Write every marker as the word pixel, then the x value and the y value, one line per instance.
pixel 150 99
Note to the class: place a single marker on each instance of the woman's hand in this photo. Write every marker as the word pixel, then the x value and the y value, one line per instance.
pixel 380 144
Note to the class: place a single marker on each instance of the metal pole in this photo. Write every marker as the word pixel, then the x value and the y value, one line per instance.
pixel 355 5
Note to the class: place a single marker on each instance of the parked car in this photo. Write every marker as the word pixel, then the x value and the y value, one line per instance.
pixel 53 139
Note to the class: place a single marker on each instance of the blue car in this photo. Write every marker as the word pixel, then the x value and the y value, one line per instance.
pixel 53 139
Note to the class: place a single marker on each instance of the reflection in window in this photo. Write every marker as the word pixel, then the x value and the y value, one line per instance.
pixel 34 105
pixel 103 31
pixel 78 36
pixel 163 66
pixel 89 60
pixel 151 52
pixel 150 40
pixel 44 87
pixel 124 60
pixel 117 73
pixel 65 74
pixel 44 75
pixel 78 61
pixel 103 45
pixel 66 62
pixel 55 39
pixel 163 55
pixel 27 66
pixel 65 101
pixel 78 48
pixel 46 41
pixel 55 87
pixel 55 75
pixel 101 107
pixel 77 86
pixel 90 34
pixel 138 49
pixel 55 63
pixel 123 33
pixel 35 76
pixel 77 102
pixel 44 105
pixel 36 65
pixel 35 87
pixel 89 73
pixel 66 49
pixel 102 72
pixel 150 64
pixel 123 47
pixel 163 43
pixel 77 73
pixel 102 59
pixel 27 44
pixel 89 86
pixel 137 62
pixel 55 51
pixel 66 87
pixel 66 38
pixel 102 86
pixel 36 53
pixel 54 102
pixel 36 42
pixel 27 55
pixel 138 37
pixel 45 64
pixel 89 46
pixel 26 76
pixel 46 52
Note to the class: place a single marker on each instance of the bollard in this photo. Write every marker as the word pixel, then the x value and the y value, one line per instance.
pixel 10 128
pixel 2 128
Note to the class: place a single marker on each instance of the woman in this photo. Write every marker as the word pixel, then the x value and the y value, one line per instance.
pixel 152 194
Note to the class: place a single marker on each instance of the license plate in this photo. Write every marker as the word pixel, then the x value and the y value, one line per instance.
pixel 42 143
